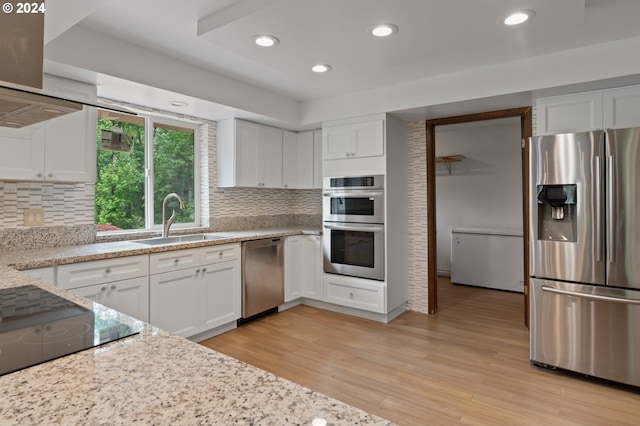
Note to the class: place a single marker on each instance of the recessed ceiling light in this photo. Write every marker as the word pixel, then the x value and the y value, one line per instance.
pixel 320 68
pixel 178 103
pixel 265 40
pixel 384 30
pixel 518 17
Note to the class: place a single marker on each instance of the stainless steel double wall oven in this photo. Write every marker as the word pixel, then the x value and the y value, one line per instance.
pixel 353 221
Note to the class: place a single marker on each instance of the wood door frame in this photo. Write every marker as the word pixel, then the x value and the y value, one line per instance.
pixel 525 114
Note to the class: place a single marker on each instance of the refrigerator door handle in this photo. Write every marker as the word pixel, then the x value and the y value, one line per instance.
pixel 597 243
pixel 591 296
pixel 610 208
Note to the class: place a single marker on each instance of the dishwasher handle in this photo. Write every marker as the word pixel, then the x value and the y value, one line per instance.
pixel 265 242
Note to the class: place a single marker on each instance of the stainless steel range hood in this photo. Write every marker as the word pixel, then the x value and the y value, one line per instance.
pixel 22 100
pixel 23 106
pixel 19 108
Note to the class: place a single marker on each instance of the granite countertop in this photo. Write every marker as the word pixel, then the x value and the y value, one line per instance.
pixel 50 256
pixel 154 377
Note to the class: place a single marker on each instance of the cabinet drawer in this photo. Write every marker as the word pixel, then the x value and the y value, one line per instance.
pixel 173 260
pixel 221 253
pixel 82 274
pixel 355 293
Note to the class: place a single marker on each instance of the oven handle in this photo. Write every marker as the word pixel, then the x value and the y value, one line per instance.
pixel 591 296
pixel 354 194
pixel 353 227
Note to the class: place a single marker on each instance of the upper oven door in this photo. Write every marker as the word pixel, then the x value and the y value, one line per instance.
pixel 364 206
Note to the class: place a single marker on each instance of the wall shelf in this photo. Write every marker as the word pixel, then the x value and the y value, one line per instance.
pixel 448 159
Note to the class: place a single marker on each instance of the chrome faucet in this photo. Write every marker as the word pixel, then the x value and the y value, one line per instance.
pixel 166 224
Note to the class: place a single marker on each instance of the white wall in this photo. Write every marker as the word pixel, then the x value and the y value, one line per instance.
pixel 483 190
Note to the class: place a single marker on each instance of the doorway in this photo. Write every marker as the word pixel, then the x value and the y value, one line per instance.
pixel 525 115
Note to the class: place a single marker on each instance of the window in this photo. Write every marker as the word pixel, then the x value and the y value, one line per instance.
pixel 140 161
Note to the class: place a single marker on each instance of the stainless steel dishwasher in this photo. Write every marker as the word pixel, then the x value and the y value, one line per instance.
pixel 262 276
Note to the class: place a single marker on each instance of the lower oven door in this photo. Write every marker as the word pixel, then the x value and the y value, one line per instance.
pixel 590 329
pixel 354 249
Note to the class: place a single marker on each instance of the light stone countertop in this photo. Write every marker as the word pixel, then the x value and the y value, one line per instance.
pixel 154 377
pixel 50 256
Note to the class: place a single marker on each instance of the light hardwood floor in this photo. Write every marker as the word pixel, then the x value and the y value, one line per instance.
pixel 468 364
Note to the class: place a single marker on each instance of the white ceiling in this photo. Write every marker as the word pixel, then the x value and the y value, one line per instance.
pixel 436 38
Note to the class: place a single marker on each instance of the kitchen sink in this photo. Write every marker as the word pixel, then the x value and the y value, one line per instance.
pixel 177 239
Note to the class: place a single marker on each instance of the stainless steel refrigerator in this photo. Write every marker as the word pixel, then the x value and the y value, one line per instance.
pixel 585 253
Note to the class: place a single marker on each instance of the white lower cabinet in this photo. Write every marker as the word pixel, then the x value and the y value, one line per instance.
pixel 46 275
pixel 353 292
pixel 130 296
pixel 189 300
pixel 302 260
pixel 121 283
pixel 174 301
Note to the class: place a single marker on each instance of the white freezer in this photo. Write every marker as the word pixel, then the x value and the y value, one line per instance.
pixel 488 257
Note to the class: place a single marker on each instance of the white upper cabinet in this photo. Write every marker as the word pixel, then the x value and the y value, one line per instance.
pixel 600 109
pixel 569 113
pixel 297 160
pixel 59 150
pixel 317 159
pixel 256 156
pixel 249 155
pixel 354 140
pixel 622 107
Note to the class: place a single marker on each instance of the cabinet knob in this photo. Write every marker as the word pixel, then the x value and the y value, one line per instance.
pixel 50 175
pixel 197 272
pixel 220 254
pixel 39 175
pixel 204 270
pixel 351 295
pixel 107 271
pixel 113 287
pixel 176 261
pixel 285 185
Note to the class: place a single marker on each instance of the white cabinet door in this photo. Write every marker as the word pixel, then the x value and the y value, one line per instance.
pixel 96 292
pixel 293 268
pixel 622 107
pixel 174 302
pixel 317 159
pixel 368 139
pixel 247 156
pixel 303 267
pixel 311 283
pixel 336 142
pixel 22 153
pixel 130 297
pixel 355 140
pixel 270 157
pixel 297 160
pixel 570 113
pixel 46 275
pixel 221 293
pixel 256 151
pixel 289 157
pixel 70 148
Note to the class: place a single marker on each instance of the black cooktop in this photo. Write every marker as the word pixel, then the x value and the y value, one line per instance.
pixel 38 326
